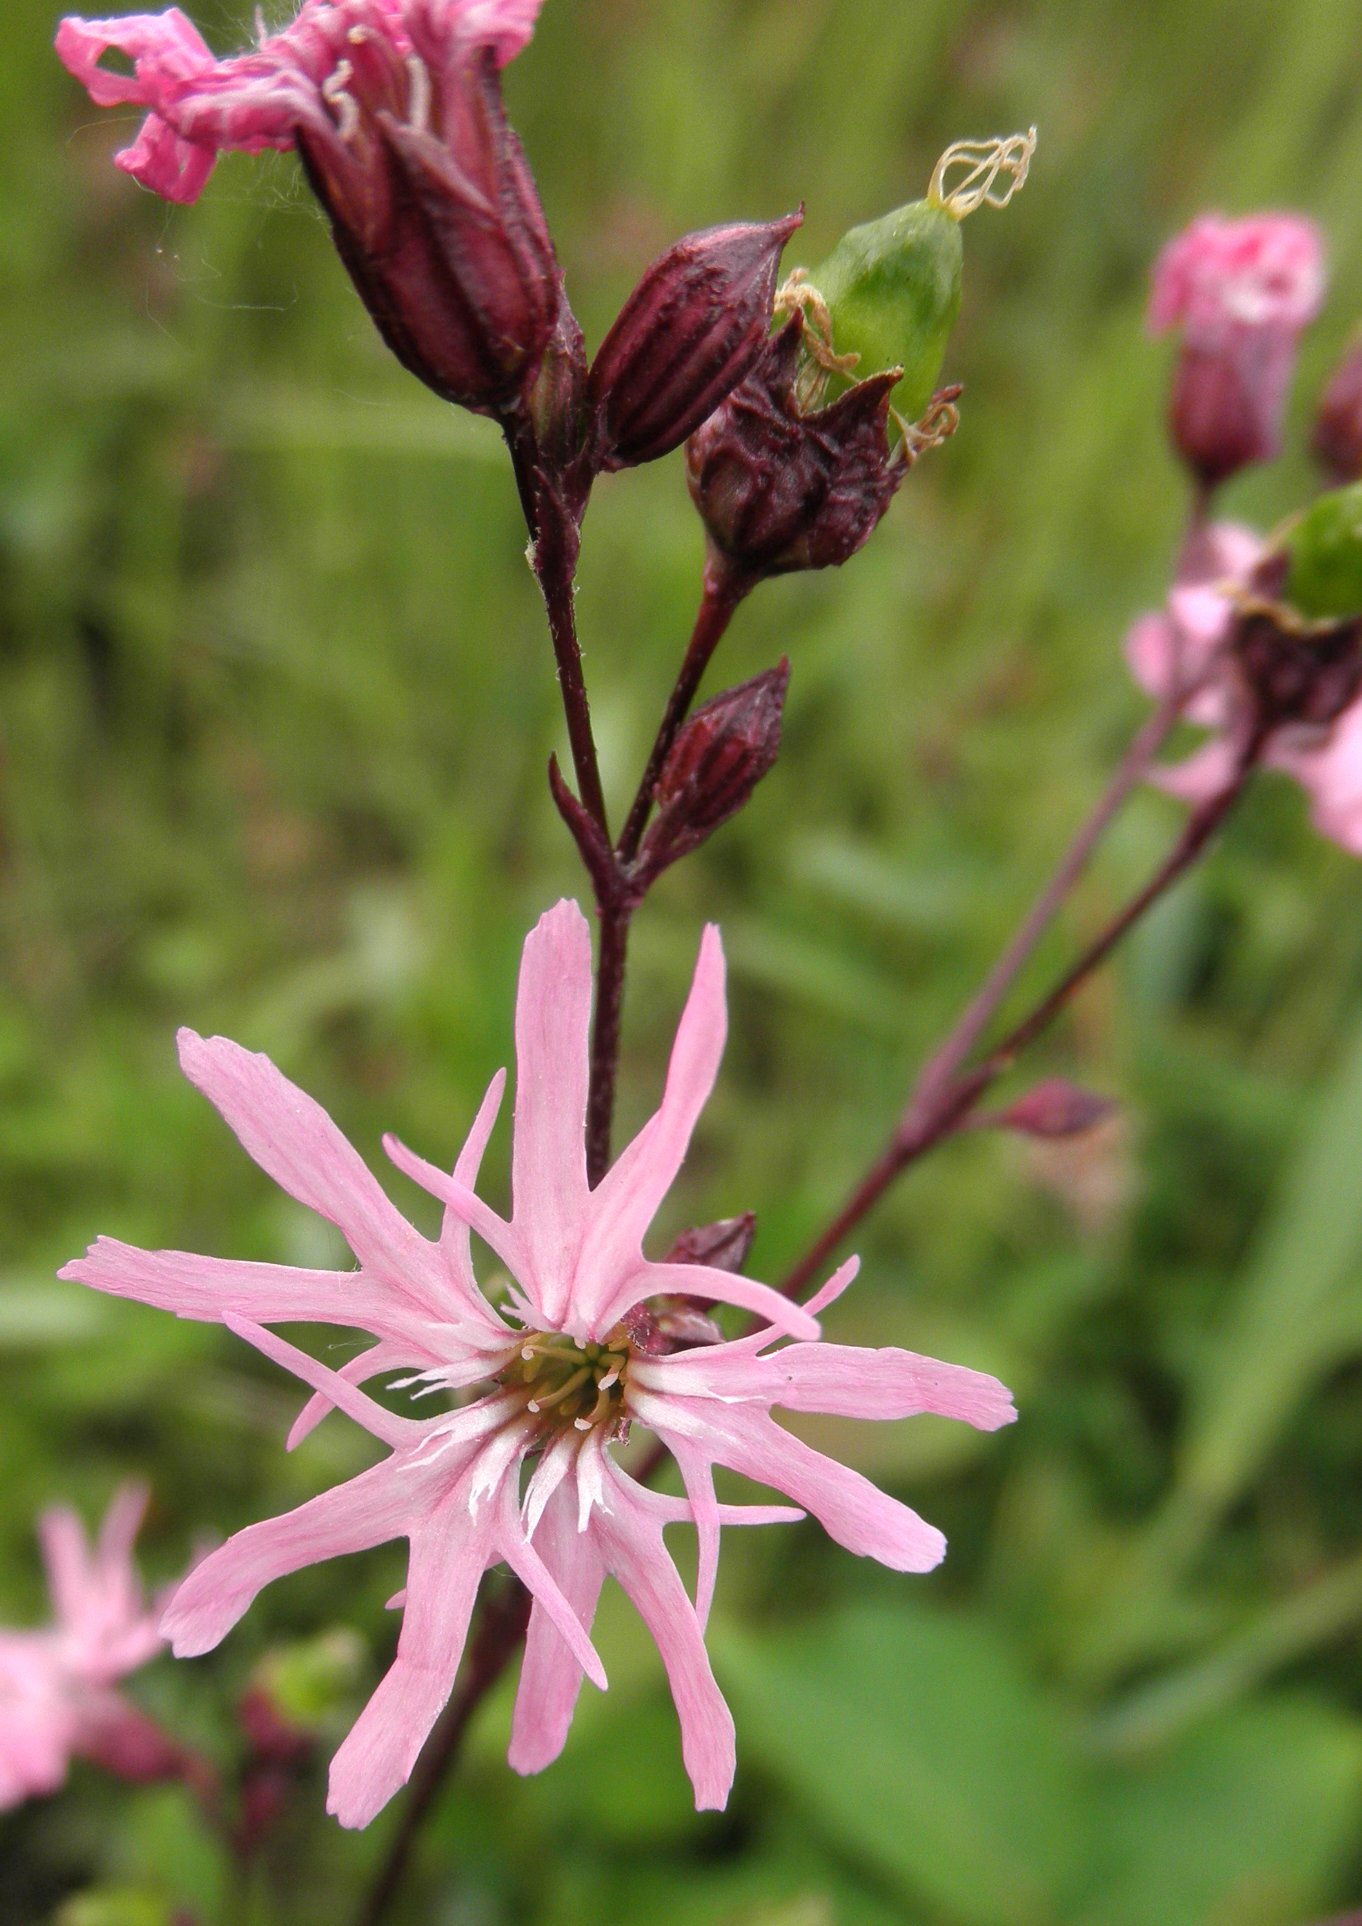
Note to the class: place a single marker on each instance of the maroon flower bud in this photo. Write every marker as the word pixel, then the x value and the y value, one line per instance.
pixel 1241 292
pixel 686 336
pixel 1337 437
pixel 437 220
pixel 779 489
pixel 723 1245
pixel 1056 1108
pixel 715 763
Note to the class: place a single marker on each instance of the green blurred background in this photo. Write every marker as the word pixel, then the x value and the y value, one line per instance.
pixel 275 704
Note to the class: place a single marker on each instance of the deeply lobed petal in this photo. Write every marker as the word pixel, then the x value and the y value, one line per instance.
pixel 850 1509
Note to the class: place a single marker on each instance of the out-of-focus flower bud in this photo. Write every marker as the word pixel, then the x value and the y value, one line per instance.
pixel 779 489
pixel 1241 292
pixel 1297 636
pixel 888 294
pixel 686 337
pixel 1336 440
pixel 716 762
pixel 1055 1108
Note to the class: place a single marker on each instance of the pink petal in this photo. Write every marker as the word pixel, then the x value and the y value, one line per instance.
pixel 346 1397
pixel 627 1199
pixel 494 1231
pixel 455 1241
pixel 292 1138
pixel 699 1280
pixel 166 50
pixel 1152 653
pixel 448 1558
pixel 368 1510
pixel 373 1363
pixel 548 1154
pixel 119 1529
pixel 698 1476
pixel 631 1542
pixel 530 1568
pixel 850 1509
pixel 206 1288
pixel 503 25
pixel 550 1677
pixel 1201 776
pixel 66 1559
pixel 846 1381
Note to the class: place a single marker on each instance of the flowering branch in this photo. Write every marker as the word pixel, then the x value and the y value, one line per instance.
pixel 946 1094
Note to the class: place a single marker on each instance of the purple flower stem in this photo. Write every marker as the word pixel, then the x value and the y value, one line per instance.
pixel 946 1093
pixel 605 1034
pixel 724 589
pixel 554 548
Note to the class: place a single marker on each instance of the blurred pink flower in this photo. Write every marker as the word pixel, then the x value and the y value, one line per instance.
pixel 57 1697
pixel 307 81
pixel 1242 292
pixel 568 1362
pixel 1186 646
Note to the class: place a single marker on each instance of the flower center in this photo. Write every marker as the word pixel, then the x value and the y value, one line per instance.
pixel 567 1383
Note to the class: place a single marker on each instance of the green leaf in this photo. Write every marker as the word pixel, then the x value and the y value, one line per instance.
pixel 1247 1823
pixel 919 1744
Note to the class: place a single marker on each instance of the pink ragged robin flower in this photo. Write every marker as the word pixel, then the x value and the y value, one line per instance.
pixel 1188 647
pixel 1241 292
pixel 550 1380
pixel 57 1682
pixel 394 107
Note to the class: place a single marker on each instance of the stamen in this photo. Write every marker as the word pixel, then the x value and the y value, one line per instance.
pixel 418 107
pixel 340 102
pixel 984 161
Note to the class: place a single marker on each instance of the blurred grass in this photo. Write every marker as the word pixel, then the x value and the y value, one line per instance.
pixel 274 710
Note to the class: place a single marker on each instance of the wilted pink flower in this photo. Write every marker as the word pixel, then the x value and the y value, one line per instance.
pixel 395 109
pixel 565 1363
pixel 1241 292
pixel 57 1696
pixel 1187 647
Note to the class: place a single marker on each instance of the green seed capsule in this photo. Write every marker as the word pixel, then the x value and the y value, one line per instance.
pixel 889 292
pixel 1324 551
pixel 892 290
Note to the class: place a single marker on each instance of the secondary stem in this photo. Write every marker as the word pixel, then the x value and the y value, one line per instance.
pixel 944 1096
pixel 724 589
